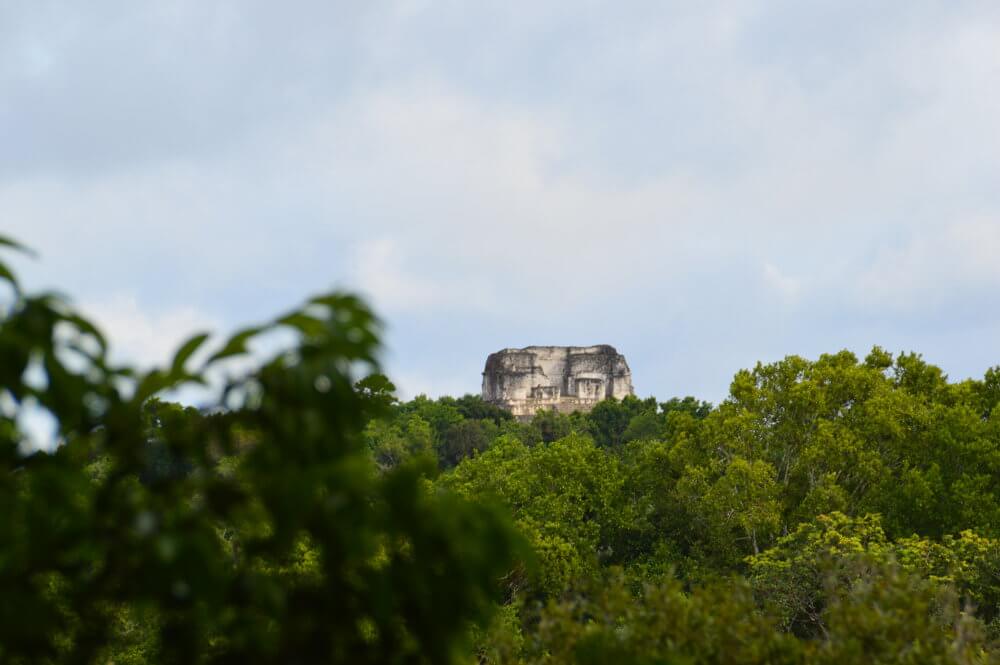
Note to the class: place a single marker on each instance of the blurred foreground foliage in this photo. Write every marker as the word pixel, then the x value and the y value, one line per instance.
pixel 840 510
pixel 258 534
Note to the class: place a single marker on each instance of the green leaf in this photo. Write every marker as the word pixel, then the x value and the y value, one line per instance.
pixel 150 384
pixel 85 326
pixel 7 275
pixel 185 352
pixel 157 381
pixel 6 241
pixel 236 345
pixel 307 325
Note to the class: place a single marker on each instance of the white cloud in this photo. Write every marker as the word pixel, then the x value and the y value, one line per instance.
pixel 788 288
pixel 502 173
pixel 146 338
pixel 386 273
pixel 143 336
pixel 934 267
pixel 485 208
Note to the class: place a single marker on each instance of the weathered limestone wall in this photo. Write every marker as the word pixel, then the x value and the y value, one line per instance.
pixel 563 378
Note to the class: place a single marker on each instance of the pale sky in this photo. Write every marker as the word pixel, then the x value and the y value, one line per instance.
pixel 701 184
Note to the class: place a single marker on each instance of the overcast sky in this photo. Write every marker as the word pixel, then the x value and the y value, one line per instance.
pixel 703 185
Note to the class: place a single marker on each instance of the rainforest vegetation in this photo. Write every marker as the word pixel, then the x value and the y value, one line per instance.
pixel 844 509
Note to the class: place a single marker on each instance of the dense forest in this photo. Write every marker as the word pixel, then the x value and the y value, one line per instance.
pixel 836 510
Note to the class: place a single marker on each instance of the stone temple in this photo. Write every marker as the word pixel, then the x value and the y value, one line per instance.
pixel 560 378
